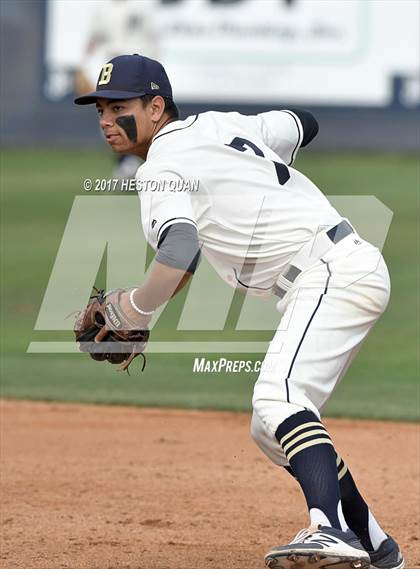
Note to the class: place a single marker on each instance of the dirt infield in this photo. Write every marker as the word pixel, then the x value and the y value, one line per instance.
pixel 87 487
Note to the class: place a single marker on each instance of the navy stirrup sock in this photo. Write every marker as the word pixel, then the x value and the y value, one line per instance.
pixel 311 455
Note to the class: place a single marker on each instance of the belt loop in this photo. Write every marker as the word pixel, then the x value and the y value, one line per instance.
pixel 309 254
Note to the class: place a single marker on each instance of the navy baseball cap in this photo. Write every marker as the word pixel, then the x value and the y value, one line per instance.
pixel 127 77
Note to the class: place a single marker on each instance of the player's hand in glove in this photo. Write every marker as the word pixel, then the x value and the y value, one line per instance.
pixel 107 332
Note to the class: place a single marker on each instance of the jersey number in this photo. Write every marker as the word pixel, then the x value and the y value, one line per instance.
pixel 242 144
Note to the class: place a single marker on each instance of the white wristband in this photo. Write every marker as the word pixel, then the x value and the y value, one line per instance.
pixel 136 308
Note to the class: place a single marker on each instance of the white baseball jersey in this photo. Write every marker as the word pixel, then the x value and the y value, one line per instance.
pixel 252 210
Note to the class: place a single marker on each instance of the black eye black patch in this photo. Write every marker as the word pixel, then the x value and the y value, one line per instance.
pixel 128 124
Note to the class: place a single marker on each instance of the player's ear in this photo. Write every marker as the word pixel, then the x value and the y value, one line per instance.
pixel 157 108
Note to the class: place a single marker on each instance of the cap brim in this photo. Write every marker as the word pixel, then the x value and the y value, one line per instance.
pixel 103 94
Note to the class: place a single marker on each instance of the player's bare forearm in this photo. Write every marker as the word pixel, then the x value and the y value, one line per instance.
pixel 162 283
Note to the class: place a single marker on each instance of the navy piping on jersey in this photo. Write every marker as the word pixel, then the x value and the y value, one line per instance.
pixel 300 136
pixel 306 329
pixel 250 287
pixel 172 219
pixel 175 129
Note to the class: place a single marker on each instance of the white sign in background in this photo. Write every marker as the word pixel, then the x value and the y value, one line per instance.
pixel 326 52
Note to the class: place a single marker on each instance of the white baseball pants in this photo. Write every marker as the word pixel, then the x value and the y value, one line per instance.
pixel 327 313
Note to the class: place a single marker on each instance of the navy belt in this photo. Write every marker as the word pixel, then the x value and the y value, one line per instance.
pixel 337 233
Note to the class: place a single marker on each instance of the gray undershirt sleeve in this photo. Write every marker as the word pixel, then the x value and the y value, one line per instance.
pixel 179 248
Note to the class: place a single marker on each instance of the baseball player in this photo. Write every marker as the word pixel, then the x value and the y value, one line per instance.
pixel 269 230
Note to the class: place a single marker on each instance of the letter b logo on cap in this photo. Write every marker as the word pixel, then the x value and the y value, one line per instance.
pixel 105 76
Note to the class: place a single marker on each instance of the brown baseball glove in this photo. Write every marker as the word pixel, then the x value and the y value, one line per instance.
pixel 122 343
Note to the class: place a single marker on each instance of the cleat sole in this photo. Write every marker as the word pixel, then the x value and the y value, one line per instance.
pixel 315 561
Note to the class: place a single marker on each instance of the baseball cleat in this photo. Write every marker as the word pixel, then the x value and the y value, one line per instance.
pixel 387 556
pixel 320 547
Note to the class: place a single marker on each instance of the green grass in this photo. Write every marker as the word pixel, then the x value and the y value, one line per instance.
pixel 38 188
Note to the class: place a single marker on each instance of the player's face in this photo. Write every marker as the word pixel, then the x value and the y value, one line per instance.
pixel 128 126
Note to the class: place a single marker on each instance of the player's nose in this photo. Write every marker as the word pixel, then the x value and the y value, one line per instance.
pixel 105 120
